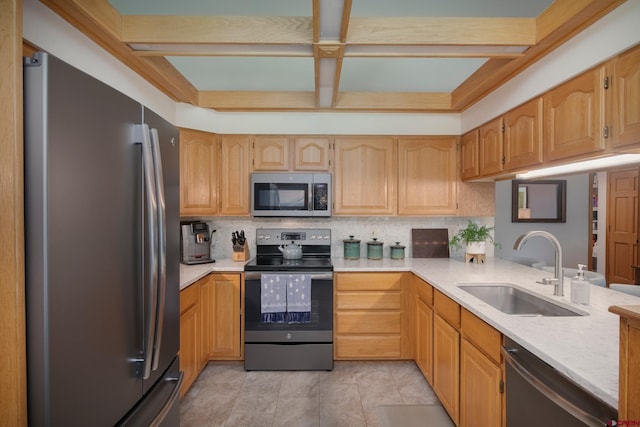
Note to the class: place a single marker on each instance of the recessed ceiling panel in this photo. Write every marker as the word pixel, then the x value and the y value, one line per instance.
pixel 453 8
pixel 406 74
pixel 248 74
pixel 214 7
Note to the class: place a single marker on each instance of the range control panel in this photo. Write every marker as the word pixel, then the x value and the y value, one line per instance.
pixel 301 236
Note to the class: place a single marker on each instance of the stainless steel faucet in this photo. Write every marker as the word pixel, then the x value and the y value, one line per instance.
pixel 558 280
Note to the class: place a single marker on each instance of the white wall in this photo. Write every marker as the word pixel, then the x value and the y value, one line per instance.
pixel 573 234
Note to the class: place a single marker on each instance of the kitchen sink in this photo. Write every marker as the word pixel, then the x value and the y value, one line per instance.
pixel 510 299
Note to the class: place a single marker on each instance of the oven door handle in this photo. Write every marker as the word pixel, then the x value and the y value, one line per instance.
pixel 256 275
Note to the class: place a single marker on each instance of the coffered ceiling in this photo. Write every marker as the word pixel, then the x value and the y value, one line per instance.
pixel 337 55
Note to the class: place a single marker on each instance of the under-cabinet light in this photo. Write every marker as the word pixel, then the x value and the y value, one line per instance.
pixel 583 166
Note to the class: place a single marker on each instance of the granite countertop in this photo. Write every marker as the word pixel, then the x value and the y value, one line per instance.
pixel 191 273
pixel 583 348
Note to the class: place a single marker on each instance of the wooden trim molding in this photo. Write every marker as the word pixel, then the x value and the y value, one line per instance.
pixel 13 382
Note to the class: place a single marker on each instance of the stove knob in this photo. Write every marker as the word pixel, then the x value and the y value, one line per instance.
pixel 326 237
pixel 289 336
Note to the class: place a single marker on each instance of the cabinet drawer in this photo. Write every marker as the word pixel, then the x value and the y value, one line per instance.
pixel 424 291
pixel 482 335
pixel 189 296
pixel 363 322
pixel 447 308
pixel 368 300
pixel 368 281
pixel 367 346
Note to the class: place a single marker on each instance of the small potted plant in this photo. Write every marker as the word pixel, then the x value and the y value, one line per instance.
pixel 474 236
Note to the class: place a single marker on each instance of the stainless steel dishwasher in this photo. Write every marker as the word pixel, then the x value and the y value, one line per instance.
pixel 538 395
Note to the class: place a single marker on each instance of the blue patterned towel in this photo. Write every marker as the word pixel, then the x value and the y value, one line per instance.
pixel 273 298
pixel 298 298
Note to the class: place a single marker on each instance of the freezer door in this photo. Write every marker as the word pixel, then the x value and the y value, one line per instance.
pixel 168 337
pixel 83 222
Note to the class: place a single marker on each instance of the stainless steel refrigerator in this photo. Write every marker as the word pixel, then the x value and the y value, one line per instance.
pixel 102 253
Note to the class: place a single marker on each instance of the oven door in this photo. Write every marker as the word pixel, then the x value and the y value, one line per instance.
pixel 320 327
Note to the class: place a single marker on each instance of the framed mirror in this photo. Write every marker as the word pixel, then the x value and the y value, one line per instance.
pixel 539 201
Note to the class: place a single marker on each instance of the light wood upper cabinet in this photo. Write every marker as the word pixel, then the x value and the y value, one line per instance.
pixel 490 147
pixel 574 117
pixel 523 136
pixel 198 173
pixel 271 153
pixel 311 153
pixel 234 179
pixel 428 171
pixel 625 104
pixel 469 155
pixel 365 176
pixel 220 301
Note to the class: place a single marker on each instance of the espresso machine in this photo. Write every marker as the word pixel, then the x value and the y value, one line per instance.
pixel 195 238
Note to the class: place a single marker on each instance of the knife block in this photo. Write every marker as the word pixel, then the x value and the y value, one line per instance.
pixel 240 252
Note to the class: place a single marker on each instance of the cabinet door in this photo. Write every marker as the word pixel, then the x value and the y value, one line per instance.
pixel 480 397
pixel 198 173
pixel 271 153
pixel 490 146
pixel 626 95
pixel 523 136
pixel 446 365
pixel 365 176
pixel 469 155
pixel 220 298
pixel 234 178
pixel 190 348
pixel 428 173
pixel 574 117
pixel 424 339
pixel 312 153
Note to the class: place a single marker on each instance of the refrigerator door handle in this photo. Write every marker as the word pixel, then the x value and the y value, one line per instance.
pixel 162 414
pixel 151 259
pixel 162 245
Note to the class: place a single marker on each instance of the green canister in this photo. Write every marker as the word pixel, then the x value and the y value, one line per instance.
pixel 351 248
pixel 397 251
pixel 374 249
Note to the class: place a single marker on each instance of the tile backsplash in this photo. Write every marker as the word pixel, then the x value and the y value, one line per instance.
pixel 386 229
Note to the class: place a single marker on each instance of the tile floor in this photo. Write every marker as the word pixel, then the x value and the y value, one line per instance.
pixel 226 395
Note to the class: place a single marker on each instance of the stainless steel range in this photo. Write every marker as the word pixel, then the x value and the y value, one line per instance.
pixel 289 301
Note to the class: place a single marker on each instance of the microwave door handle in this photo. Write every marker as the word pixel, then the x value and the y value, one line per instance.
pixel 310 197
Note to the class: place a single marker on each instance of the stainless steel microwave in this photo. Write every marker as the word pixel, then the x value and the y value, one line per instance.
pixel 291 194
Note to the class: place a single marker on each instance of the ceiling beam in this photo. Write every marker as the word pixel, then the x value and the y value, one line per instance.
pixel 442 31
pixel 393 101
pixel 217 29
pixel 256 100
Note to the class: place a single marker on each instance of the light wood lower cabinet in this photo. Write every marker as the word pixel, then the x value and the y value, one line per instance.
pixel 446 366
pixel 221 320
pixel 481 374
pixel 368 322
pixel 424 327
pixel 190 342
pixel 210 323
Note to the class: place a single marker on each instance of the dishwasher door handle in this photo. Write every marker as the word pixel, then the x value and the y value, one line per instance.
pixel 512 358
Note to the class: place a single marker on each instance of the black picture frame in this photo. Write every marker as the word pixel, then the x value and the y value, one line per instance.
pixel 539 200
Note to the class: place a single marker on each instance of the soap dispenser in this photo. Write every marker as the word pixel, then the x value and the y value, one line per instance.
pixel 580 287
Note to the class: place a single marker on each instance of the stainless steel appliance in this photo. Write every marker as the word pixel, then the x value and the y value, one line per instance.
pixel 538 395
pixel 291 194
pixel 195 241
pixel 290 345
pixel 102 253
